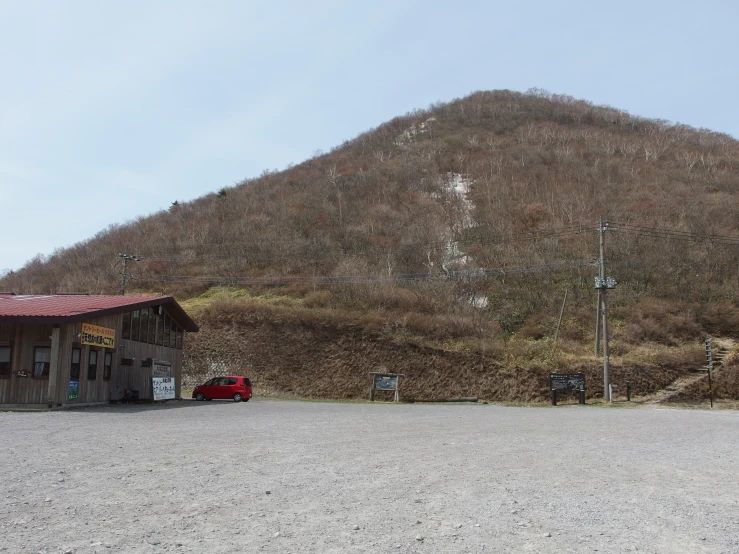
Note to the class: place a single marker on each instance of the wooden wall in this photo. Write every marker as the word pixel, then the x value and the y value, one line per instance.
pixel 139 378
pixel 28 390
pixel 7 336
pixel 25 390
pixel 97 390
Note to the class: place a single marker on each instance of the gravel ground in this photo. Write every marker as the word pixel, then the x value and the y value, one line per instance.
pixel 283 476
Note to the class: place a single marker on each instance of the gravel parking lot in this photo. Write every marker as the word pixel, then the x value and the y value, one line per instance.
pixel 283 476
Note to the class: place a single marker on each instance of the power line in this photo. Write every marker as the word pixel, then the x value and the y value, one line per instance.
pixel 465 238
pixel 674 234
pixel 356 279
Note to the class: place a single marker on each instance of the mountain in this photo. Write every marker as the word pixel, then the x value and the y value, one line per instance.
pixel 456 229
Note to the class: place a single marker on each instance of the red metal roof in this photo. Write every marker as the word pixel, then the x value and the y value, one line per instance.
pixel 77 307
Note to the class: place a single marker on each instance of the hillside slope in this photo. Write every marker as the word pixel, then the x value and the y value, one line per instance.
pixel 294 351
pixel 461 226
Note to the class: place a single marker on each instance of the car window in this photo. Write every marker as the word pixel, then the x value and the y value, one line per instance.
pixel 210 382
pixel 247 383
pixel 232 381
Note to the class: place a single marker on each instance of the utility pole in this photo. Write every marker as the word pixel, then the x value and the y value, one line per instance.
pixel 603 283
pixel 124 275
pixel 709 367
pixel 597 324
pixel 604 314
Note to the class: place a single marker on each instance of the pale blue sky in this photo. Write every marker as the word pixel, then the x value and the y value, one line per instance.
pixel 112 110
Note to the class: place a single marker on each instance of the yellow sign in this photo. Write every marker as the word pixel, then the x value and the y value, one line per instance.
pixel 97 336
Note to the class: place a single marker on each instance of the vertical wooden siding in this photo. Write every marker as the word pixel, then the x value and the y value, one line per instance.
pixel 139 378
pixel 97 390
pixel 27 390
pixel 7 336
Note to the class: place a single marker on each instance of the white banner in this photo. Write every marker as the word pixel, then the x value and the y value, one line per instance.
pixel 162 388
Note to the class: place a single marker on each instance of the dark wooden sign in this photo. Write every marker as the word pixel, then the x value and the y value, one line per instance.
pixel 567 382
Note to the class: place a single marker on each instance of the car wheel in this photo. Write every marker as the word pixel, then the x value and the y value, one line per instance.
pixel 237 397
pixel 199 396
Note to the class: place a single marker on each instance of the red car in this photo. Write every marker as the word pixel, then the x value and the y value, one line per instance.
pixel 231 387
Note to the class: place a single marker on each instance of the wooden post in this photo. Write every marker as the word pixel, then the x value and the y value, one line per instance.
pixel 397 388
pixel 54 367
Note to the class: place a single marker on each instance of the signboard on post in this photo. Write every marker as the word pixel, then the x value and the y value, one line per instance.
pixel 94 335
pixel 162 388
pixel 386 381
pixel 567 382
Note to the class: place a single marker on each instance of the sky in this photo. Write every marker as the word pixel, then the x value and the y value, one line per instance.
pixel 110 111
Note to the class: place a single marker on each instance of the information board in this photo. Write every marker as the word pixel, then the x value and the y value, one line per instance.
pixel 162 388
pixel 567 381
pixel 386 382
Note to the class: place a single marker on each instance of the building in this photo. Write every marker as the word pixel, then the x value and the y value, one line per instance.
pixel 64 350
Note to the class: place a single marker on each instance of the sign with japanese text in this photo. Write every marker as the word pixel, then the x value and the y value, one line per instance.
pixel 162 388
pixel 161 369
pixel 386 382
pixel 95 335
pixel 567 381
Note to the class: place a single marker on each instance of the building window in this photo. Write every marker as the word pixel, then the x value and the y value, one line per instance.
pixel 160 327
pixel 5 356
pixel 107 365
pixel 167 325
pixel 92 365
pixel 144 325
pixel 172 333
pixel 74 367
pixel 179 337
pixel 135 325
pixel 41 361
pixel 152 326
pixel 126 327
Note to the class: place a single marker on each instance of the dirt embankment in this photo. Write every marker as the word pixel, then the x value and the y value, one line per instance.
pixel 332 361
